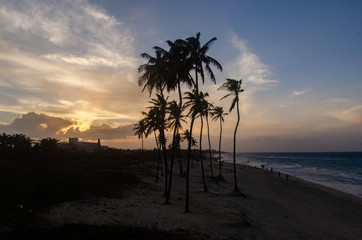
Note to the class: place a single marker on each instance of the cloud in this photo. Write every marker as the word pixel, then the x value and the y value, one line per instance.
pixel 256 75
pixel 350 115
pixel 41 125
pixel 67 58
pixel 36 125
pixel 300 93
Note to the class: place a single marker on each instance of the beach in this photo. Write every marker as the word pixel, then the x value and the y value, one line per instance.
pixel 273 207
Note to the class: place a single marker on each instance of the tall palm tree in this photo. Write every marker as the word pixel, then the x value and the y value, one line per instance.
pixel 159 107
pixel 202 112
pixel 175 119
pixel 234 87
pixel 217 113
pixel 198 58
pixel 195 104
pixel 207 107
pixel 140 129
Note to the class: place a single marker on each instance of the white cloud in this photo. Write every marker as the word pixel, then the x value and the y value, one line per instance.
pixel 300 93
pixel 350 115
pixel 68 50
pixel 256 75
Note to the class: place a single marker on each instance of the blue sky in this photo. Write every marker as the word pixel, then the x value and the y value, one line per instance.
pixel 69 68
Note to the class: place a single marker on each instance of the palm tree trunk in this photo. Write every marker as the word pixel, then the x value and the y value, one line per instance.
pixel 142 142
pixel 187 206
pixel 167 201
pixel 159 158
pixel 164 150
pixel 234 150
pixel 201 160
pixel 208 137
pixel 220 148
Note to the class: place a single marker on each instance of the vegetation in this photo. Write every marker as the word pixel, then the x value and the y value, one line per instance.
pixel 185 63
pixel 234 87
pixel 33 181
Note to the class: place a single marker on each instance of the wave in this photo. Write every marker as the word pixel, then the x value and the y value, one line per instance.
pixel 332 170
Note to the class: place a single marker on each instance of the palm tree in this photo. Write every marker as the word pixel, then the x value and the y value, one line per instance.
pixel 153 76
pixel 175 118
pixel 234 87
pixel 140 129
pixel 195 103
pixel 186 136
pixel 199 59
pixel 217 113
pixel 159 107
pixel 48 145
pixel 207 107
pixel 20 143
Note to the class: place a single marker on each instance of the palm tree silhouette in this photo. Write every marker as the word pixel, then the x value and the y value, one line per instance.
pixel 159 107
pixel 140 129
pixel 198 58
pixel 196 104
pixel 217 113
pixel 174 122
pixel 207 108
pixel 234 87
pixel 154 72
pixel 151 124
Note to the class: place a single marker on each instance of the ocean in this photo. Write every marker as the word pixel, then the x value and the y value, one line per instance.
pixel 338 170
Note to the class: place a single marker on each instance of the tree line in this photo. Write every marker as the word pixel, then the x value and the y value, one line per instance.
pixel 184 64
pixel 20 143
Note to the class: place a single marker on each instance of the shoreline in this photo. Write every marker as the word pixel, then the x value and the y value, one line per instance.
pixel 274 208
pixel 324 180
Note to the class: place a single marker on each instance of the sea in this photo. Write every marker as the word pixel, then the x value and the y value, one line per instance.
pixel 338 170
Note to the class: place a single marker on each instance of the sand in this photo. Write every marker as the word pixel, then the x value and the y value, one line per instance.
pixel 273 208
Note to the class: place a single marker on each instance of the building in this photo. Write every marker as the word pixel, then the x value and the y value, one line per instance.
pixel 75 144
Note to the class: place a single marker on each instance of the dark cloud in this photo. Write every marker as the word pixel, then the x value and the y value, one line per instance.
pixel 36 125
pixel 103 131
pixel 40 125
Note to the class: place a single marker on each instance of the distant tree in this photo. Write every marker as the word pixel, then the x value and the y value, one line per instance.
pixel 20 143
pixel 234 87
pixel 140 129
pixel 217 113
pixel 48 145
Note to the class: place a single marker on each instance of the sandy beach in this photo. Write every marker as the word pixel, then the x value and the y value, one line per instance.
pixel 273 208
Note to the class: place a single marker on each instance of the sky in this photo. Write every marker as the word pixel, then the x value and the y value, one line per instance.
pixel 69 69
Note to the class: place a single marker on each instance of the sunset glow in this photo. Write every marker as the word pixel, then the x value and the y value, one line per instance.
pixel 70 69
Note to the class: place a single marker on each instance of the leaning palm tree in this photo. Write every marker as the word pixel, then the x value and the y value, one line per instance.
pixel 234 87
pixel 217 113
